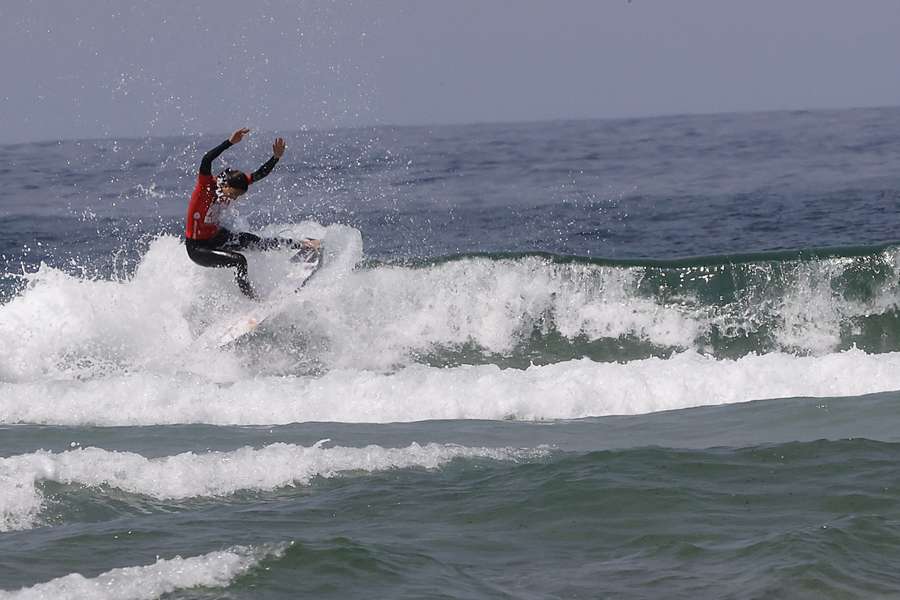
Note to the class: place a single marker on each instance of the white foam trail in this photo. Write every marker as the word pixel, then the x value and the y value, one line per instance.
pixel 572 389
pixel 190 475
pixel 213 570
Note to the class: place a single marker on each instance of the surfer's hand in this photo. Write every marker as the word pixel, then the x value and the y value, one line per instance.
pixel 238 135
pixel 314 244
pixel 278 148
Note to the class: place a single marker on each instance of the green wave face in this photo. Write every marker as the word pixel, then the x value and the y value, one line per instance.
pixel 807 302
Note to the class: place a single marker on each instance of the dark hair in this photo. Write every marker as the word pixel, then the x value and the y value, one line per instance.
pixel 233 178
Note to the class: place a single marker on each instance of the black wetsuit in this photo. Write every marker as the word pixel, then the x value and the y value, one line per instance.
pixel 221 251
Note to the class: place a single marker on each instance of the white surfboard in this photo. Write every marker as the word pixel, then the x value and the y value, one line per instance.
pixel 244 325
pixel 307 263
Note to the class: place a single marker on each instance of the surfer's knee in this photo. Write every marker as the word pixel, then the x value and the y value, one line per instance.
pixel 240 263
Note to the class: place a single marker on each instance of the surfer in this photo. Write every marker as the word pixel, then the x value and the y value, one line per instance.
pixel 210 245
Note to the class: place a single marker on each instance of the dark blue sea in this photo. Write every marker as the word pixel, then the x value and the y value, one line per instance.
pixel 646 358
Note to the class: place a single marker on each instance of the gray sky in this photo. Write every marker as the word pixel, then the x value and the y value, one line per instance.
pixel 97 68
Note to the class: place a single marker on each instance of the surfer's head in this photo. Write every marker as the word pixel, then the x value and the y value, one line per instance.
pixel 231 183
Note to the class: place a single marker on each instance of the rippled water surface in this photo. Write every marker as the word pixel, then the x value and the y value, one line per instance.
pixel 635 358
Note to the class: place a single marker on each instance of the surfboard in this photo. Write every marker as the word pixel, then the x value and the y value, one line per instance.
pixel 306 263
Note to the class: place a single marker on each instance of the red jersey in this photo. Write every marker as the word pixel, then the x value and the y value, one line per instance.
pixel 204 196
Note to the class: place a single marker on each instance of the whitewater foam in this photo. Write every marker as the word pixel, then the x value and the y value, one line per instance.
pixel 64 326
pixel 74 327
pixel 213 570
pixel 189 475
pixel 571 389
pixel 383 316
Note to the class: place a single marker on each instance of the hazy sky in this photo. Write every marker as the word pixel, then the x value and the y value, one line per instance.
pixel 95 68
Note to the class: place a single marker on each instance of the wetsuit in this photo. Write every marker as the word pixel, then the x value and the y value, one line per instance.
pixel 210 245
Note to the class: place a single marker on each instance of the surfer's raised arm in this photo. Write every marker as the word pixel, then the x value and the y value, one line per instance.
pixel 211 245
pixel 266 167
pixel 209 157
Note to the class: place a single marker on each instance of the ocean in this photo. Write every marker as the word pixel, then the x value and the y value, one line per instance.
pixel 639 358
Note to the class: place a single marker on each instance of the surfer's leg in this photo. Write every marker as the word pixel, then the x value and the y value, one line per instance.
pixel 241 275
pixel 254 242
pixel 220 258
pixel 242 240
pixel 272 243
